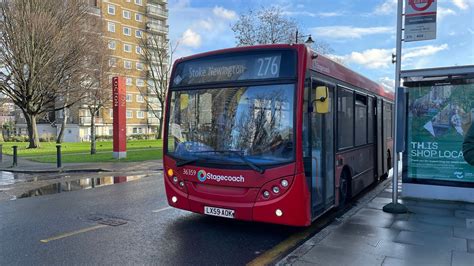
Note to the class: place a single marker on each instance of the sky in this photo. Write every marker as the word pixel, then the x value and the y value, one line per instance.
pixel 361 32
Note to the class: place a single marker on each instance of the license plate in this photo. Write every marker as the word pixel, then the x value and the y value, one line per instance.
pixel 219 212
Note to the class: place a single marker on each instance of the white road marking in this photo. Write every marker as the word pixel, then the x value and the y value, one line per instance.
pixel 163 209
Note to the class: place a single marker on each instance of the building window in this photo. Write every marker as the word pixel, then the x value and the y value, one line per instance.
pixel 129 98
pixel 139 67
pixel 112 45
pixel 138 50
pixel 138 17
pixel 127 64
pixel 129 81
pixel 139 2
pixel 111 114
pixel 138 33
pixel 129 114
pixel 140 98
pixel 113 62
pixel 126 14
pixel 111 26
pixel 111 9
pixel 127 48
pixel 140 82
pixel 127 31
pixel 140 114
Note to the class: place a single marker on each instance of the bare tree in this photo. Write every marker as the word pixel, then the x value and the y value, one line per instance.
pixel 42 50
pixel 157 54
pixel 269 25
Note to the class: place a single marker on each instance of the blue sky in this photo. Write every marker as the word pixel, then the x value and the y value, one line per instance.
pixel 361 32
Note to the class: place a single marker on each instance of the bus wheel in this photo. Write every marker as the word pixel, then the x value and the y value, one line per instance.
pixel 345 193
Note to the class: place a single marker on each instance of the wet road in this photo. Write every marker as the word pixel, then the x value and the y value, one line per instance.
pixel 65 228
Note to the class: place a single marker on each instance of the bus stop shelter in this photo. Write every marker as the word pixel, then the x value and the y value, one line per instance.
pixel 439 106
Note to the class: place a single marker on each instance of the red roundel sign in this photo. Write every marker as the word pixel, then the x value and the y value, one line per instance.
pixel 420 5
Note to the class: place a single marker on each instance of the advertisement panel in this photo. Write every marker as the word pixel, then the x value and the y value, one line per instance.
pixel 438 119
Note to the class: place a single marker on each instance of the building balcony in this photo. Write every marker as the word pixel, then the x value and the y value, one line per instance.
pixel 156 28
pixel 153 121
pixel 155 11
pixel 157 1
pixel 86 121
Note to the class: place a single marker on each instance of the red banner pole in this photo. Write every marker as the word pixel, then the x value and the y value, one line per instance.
pixel 120 119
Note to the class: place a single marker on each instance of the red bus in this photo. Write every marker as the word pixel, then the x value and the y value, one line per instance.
pixel 272 133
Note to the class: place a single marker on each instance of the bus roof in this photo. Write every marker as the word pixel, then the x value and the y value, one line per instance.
pixel 322 64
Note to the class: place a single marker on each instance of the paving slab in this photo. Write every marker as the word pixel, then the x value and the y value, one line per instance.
pixel 462 259
pixel 430 210
pixel 464 233
pixel 438 220
pixel 367 231
pixel 470 246
pixel 415 226
pixel 328 256
pixel 432 241
pixel 464 214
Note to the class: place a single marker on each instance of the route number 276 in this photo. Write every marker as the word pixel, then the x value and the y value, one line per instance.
pixel 268 66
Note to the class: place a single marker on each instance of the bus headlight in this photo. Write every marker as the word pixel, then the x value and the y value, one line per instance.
pixel 174 199
pixel 181 184
pixel 175 179
pixel 276 190
pixel 284 183
pixel 278 212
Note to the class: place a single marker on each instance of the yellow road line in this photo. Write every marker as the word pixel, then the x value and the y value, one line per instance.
pixel 95 227
pixel 163 209
pixel 270 255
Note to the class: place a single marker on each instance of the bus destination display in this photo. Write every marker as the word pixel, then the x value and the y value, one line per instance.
pixel 237 67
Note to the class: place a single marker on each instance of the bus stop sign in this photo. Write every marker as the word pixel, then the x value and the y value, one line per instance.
pixel 420 20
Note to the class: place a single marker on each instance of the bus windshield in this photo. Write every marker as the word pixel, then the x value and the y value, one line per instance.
pixel 251 124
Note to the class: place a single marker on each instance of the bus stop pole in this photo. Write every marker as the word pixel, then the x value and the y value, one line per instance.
pixel 394 206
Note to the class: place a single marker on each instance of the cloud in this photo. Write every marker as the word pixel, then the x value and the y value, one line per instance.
pixel 422 51
pixel 191 39
pixel 349 32
pixel 224 13
pixel 313 15
pixel 462 4
pixel 386 8
pixel 444 12
pixel 382 58
pixel 387 83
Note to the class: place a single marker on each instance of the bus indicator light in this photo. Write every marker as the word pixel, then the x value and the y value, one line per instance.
pixel 170 172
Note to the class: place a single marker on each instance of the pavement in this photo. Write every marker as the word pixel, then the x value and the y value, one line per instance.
pixel 431 233
pixel 31 167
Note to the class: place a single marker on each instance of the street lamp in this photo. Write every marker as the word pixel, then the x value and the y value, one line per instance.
pixel 308 41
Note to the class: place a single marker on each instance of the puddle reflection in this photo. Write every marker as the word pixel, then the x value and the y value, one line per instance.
pixel 9 178
pixel 79 184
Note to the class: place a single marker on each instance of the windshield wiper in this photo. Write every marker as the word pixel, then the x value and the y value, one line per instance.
pixel 185 162
pixel 241 156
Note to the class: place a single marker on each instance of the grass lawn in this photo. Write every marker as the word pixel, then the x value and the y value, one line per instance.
pixel 77 152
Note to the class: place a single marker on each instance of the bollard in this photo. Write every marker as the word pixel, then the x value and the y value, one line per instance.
pixel 1 153
pixel 58 156
pixel 15 155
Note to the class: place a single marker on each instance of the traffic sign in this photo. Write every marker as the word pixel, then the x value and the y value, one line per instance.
pixel 420 20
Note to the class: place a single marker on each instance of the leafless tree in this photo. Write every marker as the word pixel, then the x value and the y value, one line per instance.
pixel 157 54
pixel 42 50
pixel 269 25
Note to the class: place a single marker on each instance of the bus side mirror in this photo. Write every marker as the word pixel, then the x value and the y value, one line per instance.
pixel 321 103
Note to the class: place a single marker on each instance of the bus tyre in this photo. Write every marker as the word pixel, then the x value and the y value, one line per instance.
pixel 345 193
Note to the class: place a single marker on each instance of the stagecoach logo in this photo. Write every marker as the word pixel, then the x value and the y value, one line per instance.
pixel 202 176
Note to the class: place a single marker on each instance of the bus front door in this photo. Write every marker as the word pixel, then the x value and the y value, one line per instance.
pixel 322 153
